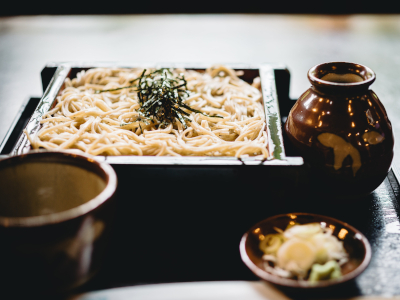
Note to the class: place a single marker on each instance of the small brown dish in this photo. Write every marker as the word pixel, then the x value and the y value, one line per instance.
pixel 355 244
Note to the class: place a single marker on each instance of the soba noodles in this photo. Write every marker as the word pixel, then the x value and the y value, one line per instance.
pixel 108 123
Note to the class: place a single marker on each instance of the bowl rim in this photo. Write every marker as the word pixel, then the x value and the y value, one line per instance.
pixel 105 171
pixel 368 77
pixel 285 282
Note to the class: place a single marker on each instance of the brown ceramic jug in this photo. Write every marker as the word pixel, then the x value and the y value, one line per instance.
pixel 342 130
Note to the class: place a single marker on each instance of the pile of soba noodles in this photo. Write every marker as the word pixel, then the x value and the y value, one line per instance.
pixel 109 123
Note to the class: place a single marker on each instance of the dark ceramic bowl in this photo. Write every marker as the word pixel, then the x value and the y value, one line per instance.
pixel 355 243
pixel 55 215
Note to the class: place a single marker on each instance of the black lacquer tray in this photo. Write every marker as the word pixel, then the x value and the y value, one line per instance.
pixel 266 72
pixel 184 223
pixel 282 174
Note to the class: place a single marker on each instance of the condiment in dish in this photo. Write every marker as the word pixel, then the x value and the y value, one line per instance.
pixel 354 242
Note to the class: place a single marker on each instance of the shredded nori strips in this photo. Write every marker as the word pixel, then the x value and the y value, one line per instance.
pixel 161 97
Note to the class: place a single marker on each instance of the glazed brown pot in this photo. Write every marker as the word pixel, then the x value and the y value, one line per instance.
pixel 55 215
pixel 342 130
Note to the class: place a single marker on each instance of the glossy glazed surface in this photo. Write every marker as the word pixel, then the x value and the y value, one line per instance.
pixel 342 130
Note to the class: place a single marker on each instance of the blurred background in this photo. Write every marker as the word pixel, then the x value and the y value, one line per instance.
pixel 297 34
